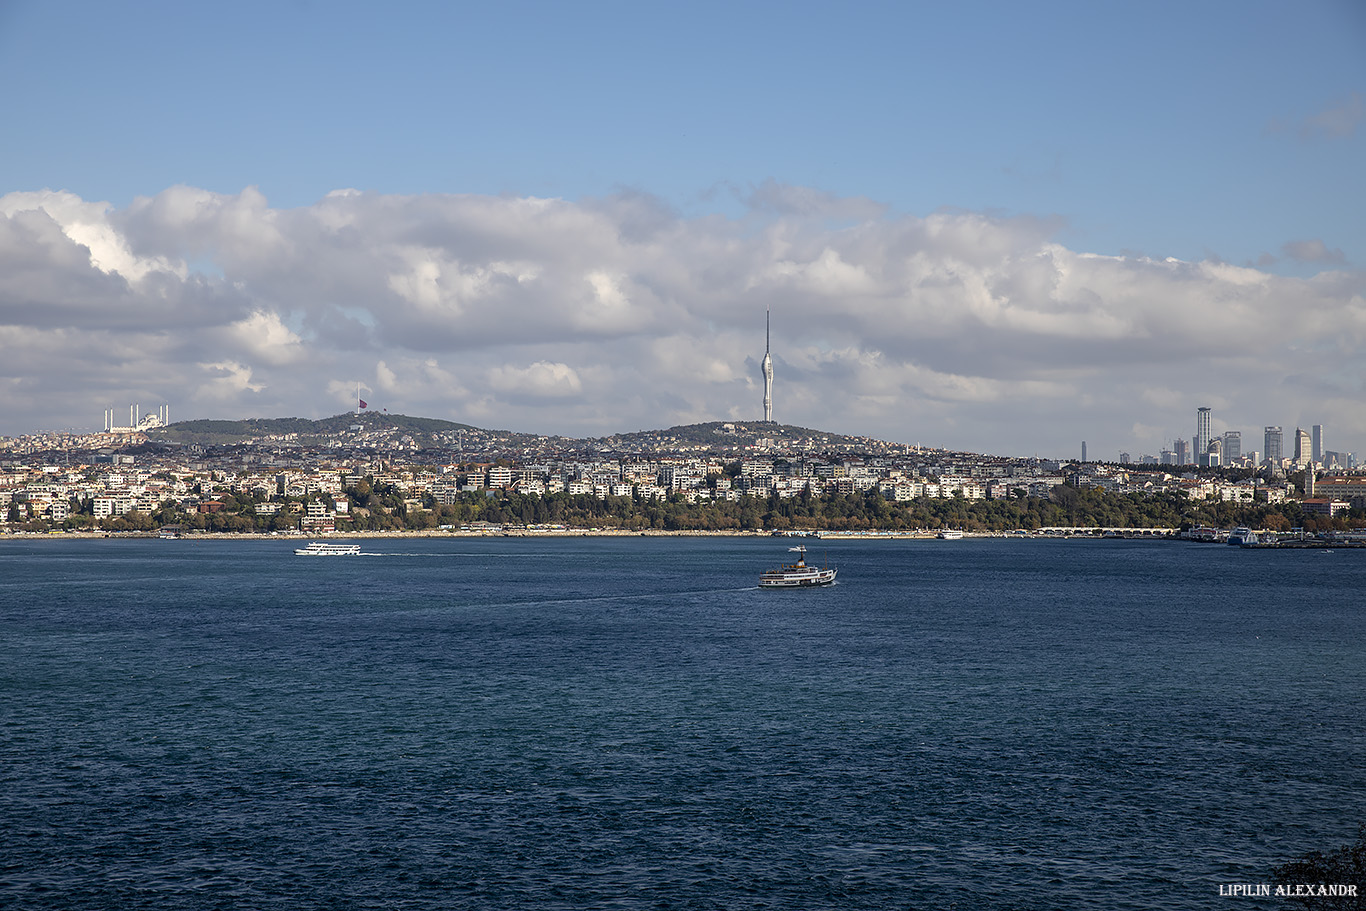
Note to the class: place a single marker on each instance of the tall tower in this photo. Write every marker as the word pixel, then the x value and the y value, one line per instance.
pixel 1202 435
pixel 768 375
pixel 1316 433
pixel 1304 447
pixel 1272 443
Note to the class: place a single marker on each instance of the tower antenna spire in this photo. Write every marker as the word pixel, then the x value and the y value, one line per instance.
pixel 768 373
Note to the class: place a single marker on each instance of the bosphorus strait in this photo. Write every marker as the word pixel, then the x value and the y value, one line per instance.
pixel 503 723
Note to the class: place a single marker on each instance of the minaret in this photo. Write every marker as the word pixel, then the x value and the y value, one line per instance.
pixel 768 375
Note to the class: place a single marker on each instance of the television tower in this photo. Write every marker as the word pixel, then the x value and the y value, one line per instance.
pixel 768 375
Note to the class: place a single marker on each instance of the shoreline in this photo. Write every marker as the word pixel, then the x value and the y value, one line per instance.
pixel 907 535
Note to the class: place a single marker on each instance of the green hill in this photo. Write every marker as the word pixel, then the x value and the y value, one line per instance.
pixel 381 429
pixel 223 433
pixel 732 434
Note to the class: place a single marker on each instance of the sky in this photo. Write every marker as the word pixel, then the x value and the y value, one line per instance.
pixel 995 227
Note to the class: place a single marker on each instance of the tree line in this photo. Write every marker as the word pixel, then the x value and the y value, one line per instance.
pixel 383 507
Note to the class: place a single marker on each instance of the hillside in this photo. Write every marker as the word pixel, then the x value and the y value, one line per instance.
pixel 733 435
pixel 304 430
pixel 383 430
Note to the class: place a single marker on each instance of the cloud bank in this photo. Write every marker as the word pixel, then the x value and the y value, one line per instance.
pixel 601 315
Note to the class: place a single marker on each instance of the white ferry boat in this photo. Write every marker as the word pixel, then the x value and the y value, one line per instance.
pixel 797 575
pixel 1242 536
pixel 317 549
pixel 950 534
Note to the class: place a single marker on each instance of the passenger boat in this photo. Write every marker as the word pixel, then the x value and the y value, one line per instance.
pixel 950 534
pixel 797 575
pixel 317 549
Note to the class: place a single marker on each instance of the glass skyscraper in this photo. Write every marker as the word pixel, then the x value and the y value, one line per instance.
pixel 1273 445
pixel 1233 446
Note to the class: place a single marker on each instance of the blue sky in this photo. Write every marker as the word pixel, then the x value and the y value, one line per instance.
pixel 1215 133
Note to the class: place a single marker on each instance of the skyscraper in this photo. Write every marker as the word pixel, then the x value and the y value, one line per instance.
pixel 768 375
pixel 1212 457
pixel 1083 450
pixel 1202 436
pixel 1304 447
pixel 1233 446
pixel 1273 443
pixel 1183 453
pixel 1317 433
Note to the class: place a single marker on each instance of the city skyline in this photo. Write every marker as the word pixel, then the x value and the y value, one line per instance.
pixel 1227 446
pixel 568 223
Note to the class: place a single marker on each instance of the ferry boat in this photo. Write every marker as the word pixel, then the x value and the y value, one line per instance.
pixel 797 575
pixel 1242 536
pixel 317 549
pixel 950 534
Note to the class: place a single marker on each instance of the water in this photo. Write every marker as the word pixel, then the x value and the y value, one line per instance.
pixel 631 723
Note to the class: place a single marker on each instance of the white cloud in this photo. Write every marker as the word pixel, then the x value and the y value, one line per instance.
pixel 87 224
pixel 228 379
pixel 541 380
pixel 266 338
pixel 545 315
pixel 387 379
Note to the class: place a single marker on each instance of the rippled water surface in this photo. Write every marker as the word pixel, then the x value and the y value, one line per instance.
pixel 631 723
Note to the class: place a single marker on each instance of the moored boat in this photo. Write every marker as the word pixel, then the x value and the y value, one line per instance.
pixel 797 575
pixel 950 534
pixel 318 549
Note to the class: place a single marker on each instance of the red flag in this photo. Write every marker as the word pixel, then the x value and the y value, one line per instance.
pixel 362 403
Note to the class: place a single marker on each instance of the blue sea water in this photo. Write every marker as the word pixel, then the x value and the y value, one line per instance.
pixel 630 723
